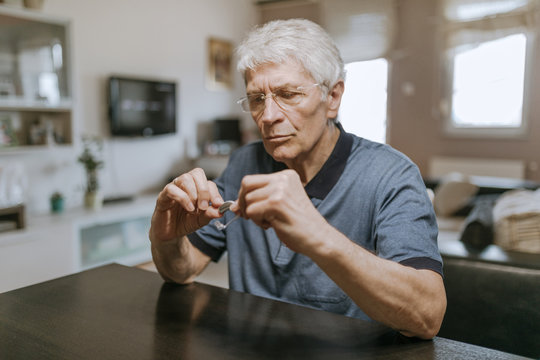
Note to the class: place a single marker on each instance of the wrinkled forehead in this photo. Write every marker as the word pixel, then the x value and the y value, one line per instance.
pixel 272 75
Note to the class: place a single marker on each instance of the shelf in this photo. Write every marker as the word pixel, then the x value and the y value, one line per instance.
pixel 18 104
pixel 28 149
pixel 31 15
pixel 35 80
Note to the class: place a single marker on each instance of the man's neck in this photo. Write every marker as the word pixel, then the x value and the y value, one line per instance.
pixel 308 165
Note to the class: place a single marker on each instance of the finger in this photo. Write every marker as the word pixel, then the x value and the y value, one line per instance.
pixel 255 181
pixel 174 193
pixel 260 214
pixel 204 217
pixel 164 202
pixel 201 183
pixel 261 194
pixel 186 184
pixel 235 208
pixel 249 184
pixel 215 196
pixel 212 213
pixel 255 203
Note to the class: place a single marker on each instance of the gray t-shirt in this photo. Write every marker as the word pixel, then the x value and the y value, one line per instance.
pixel 368 191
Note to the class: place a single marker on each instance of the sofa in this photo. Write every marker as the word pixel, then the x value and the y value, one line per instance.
pixel 493 299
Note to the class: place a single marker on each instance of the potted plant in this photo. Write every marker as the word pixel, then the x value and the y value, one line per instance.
pixel 90 158
pixel 57 202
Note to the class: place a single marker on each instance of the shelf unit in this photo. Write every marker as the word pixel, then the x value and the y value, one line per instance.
pixel 36 107
pixel 53 245
pixel 124 241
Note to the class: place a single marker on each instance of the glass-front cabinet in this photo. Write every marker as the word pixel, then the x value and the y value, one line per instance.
pixel 35 86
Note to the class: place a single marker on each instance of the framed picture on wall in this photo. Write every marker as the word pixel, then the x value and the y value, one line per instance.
pixel 219 74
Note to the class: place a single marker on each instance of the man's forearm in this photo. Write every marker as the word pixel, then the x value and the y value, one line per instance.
pixel 178 261
pixel 409 300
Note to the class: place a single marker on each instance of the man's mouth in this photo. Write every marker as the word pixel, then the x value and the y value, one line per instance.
pixel 277 137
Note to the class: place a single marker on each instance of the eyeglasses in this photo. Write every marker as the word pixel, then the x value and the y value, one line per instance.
pixel 284 98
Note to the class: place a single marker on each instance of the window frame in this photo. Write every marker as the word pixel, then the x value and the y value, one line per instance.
pixel 445 104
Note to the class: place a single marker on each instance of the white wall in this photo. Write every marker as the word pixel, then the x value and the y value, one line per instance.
pixel 149 38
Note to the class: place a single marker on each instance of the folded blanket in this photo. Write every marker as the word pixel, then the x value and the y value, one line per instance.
pixel 517 221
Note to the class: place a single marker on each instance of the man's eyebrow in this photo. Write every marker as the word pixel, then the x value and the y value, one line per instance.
pixel 254 92
pixel 286 86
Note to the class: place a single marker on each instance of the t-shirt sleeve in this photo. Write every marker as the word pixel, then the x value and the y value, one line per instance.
pixel 201 241
pixel 405 226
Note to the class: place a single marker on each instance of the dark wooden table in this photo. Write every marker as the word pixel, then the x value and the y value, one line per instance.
pixel 117 312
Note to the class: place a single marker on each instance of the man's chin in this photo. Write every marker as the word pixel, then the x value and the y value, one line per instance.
pixel 280 153
pixel 282 157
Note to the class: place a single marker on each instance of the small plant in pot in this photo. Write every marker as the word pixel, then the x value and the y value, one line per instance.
pixel 90 158
pixel 57 202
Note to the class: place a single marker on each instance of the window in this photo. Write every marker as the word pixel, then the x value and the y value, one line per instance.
pixel 486 46
pixel 488 84
pixel 364 32
pixel 363 106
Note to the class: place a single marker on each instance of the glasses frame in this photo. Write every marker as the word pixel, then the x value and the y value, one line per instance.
pixel 244 101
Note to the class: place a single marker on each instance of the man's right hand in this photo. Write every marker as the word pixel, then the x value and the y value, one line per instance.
pixel 186 204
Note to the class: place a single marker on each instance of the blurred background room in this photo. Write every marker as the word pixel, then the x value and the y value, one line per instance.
pixel 103 102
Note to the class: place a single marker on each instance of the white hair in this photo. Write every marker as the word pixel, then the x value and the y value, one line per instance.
pixel 298 39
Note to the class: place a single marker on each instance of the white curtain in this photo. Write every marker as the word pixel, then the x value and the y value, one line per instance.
pixel 362 29
pixel 471 22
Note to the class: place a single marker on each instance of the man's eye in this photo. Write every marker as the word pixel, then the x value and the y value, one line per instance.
pixel 256 99
pixel 288 95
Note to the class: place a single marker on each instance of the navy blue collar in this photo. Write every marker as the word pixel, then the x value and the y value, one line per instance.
pixel 332 169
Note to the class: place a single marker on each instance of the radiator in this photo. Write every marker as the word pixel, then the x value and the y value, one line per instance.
pixel 441 165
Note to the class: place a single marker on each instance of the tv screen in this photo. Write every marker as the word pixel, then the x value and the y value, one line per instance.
pixel 227 130
pixel 141 107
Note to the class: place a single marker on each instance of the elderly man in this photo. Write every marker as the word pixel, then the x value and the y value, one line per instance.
pixel 326 219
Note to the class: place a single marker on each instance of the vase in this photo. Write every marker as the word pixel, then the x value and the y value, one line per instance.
pixel 93 200
pixel 33 4
pixel 57 205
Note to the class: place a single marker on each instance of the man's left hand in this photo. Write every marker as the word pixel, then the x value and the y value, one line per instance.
pixel 279 201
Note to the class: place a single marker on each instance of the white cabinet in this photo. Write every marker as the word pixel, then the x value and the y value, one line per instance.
pixel 56 245
pixel 122 241
pixel 35 254
pixel 35 80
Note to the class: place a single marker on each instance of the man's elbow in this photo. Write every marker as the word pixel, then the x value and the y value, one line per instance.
pixel 430 330
pixel 430 321
pixel 426 331
pixel 173 279
pixel 171 272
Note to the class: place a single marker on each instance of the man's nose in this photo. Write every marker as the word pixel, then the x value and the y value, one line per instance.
pixel 271 112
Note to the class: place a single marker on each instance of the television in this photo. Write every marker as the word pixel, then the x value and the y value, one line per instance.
pixel 225 138
pixel 227 130
pixel 141 107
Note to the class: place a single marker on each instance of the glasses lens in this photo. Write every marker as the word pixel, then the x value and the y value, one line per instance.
pixel 255 102
pixel 244 103
pixel 288 97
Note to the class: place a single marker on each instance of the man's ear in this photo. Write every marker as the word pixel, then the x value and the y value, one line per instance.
pixel 334 99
